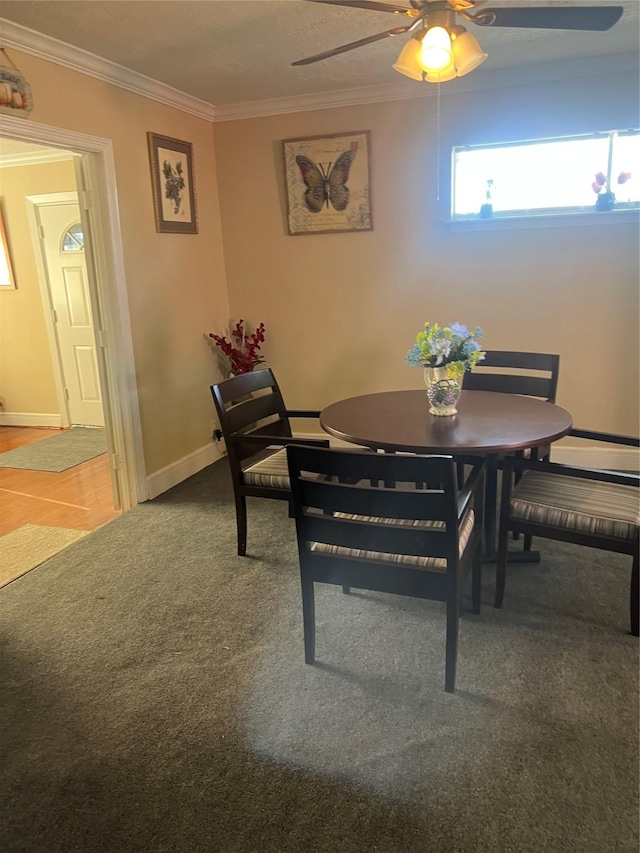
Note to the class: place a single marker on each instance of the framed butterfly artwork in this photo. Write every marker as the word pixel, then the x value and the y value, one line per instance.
pixel 328 183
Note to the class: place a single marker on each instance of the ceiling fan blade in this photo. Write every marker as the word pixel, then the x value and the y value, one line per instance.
pixel 551 17
pixel 372 5
pixel 345 47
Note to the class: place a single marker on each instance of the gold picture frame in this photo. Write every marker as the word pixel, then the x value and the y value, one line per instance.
pixel 328 183
pixel 7 278
pixel 174 195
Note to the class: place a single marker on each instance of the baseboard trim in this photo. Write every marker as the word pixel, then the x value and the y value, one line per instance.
pixel 24 419
pixel 164 479
pixel 618 459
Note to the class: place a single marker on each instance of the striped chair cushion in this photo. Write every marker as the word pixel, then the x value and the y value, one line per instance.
pixel 588 506
pixel 271 472
pixel 432 564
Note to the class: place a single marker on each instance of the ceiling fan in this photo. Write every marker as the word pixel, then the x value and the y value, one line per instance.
pixel 440 49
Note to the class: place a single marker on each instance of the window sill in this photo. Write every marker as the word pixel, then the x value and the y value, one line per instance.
pixel 547 220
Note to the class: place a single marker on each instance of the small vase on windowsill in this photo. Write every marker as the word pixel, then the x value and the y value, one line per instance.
pixel 486 210
pixel 606 201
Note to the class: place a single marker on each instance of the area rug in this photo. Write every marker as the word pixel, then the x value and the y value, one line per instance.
pixel 61 451
pixel 29 546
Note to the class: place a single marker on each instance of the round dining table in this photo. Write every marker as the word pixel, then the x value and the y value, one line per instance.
pixel 487 423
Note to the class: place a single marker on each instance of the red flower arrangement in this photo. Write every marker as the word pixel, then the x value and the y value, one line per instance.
pixel 242 351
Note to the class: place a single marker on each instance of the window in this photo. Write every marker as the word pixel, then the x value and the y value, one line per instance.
pixel 73 240
pixel 546 176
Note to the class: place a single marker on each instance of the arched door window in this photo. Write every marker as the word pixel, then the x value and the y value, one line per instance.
pixel 73 240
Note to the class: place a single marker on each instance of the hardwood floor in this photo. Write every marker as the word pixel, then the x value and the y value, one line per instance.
pixel 79 498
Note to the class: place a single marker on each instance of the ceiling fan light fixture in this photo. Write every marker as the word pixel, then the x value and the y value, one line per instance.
pixel 435 53
pixel 407 62
pixel 444 50
pixel 448 73
pixel 467 53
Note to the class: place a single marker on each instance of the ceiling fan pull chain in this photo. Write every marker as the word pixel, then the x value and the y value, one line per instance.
pixel 438 143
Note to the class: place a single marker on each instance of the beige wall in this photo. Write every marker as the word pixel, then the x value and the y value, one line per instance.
pixel 341 310
pixel 176 283
pixel 26 372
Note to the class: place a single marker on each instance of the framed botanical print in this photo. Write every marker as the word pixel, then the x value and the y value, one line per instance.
pixel 328 183
pixel 174 194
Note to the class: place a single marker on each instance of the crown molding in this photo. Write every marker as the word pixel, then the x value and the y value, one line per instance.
pixel 53 50
pixel 480 80
pixel 317 101
pixel 77 59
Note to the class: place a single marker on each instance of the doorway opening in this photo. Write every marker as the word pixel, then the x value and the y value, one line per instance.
pixel 91 270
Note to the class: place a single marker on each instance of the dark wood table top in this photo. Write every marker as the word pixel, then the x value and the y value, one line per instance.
pixel 487 422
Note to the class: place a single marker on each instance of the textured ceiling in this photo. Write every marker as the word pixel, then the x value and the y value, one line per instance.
pixel 233 51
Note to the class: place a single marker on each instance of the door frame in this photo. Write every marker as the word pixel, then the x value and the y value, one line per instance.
pixel 33 203
pixel 96 184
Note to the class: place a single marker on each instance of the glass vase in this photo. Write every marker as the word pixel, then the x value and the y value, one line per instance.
pixel 443 391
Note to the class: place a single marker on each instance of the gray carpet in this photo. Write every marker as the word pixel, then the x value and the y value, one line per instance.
pixel 155 698
pixel 58 452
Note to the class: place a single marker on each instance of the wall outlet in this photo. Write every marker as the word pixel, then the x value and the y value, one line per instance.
pixel 217 434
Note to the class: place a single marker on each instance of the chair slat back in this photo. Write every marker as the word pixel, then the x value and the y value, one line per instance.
pixel 251 411
pixel 350 491
pixel 543 386
pixel 360 465
pixel 339 497
pixel 384 538
pixel 246 383
pixel 236 404
pixel 240 411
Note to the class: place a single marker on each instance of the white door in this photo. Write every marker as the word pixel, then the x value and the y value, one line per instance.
pixel 66 272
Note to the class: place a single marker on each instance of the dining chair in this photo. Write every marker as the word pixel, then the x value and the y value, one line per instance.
pixel 255 425
pixel 533 374
pixel 595 508
pixel 392 537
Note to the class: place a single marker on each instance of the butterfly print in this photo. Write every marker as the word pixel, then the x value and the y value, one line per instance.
pixel 326 185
